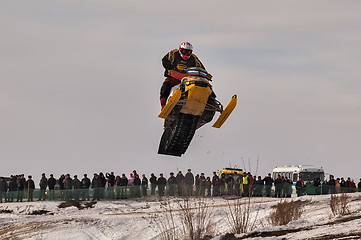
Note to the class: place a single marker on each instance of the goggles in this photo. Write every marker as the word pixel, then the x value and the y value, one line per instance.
pixel 186 52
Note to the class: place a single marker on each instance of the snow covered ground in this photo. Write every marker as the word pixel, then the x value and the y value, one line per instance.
pixel 134 219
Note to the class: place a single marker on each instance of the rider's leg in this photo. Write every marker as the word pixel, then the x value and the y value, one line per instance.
pixel 168 83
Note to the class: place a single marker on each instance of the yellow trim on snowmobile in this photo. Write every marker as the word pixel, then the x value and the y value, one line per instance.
pixel 170 104
pixel 196 100
pixel 226 112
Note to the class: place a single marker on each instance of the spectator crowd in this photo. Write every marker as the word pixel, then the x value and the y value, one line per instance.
pixel 111 186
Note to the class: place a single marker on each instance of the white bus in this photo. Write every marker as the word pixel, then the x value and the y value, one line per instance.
pixel 295 172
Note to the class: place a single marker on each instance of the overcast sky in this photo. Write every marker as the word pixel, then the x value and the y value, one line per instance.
pixel 80 80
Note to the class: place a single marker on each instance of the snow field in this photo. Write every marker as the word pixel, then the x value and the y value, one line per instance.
pixel 131 219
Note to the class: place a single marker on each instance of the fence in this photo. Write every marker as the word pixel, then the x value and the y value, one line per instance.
pixel 126 192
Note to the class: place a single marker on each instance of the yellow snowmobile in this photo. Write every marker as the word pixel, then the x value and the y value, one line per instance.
pixel 192 105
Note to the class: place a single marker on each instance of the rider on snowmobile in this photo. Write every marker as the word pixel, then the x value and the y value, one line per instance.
pixel 176 63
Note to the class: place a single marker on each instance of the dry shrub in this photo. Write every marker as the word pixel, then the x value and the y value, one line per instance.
pixel 285 212
pixel 197 217
pixel 339 204
pixel 190 218
pixel 240 217
pixel 165 225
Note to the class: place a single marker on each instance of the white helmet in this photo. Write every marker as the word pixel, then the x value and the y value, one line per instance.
pixel 185 50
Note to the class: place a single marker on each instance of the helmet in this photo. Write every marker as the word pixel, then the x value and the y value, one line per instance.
pixel 185 50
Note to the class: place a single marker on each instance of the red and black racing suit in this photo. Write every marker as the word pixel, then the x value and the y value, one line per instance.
pixel 175 69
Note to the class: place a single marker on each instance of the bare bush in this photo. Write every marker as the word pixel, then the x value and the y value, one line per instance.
pixel 339 204
pixel 285 212
pixel 164 222
pixel 189 217
pixel 240 216
pixel 197 217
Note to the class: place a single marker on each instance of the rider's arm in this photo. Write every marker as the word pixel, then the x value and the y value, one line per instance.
pixel 197 62
pixel 168 61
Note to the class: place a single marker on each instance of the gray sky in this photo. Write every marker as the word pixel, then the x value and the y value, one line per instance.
pixel 80 84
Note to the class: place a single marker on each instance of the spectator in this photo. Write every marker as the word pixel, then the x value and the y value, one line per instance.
pixel 216 183
pixel 352 186
pixel 332 184
pixel 208 185
pixel 202 185
pixel 223 183
pixel 43 184
pixel 136 185
pixel 117 186
pixel 61 186
pixel 251 182
pixel 153 183
pixel 197 185
pixel 131 184
pixel 359 185
pixel 246 185
pixel 144 185
pixel 237 179
pixel 348 185
pixel 61 181
pixel 13 187
pixel 123 186
pixel 21 182
pixel 338 185
pixel 30 186
pixel 229 184
pixel 259 187
pixel 103 180
pixel 130 179
pixel 68 185
pixel 96 185
pixel 278 186
pixel 317 184
pixel 343 185
pixel 325 187
pixel 77 187
pixel 300 186
pixel 111 179
pixel 288 187
pixel 172 181
pixel 180 183
pixel 3 190
pixel 51 186
pixel 268 180
pixel 85 185
pixel 162 182
pixel 189 182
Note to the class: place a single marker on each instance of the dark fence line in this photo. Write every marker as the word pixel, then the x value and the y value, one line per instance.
pixel 126 192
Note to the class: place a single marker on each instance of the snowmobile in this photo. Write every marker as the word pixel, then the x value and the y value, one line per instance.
pixel 192 105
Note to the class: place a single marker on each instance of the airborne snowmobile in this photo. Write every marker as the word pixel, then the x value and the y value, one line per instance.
pixel 192 105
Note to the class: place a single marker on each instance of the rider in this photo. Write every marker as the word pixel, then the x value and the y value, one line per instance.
pixel 176 63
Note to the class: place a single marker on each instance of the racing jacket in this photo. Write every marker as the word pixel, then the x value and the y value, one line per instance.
pixel 175 64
